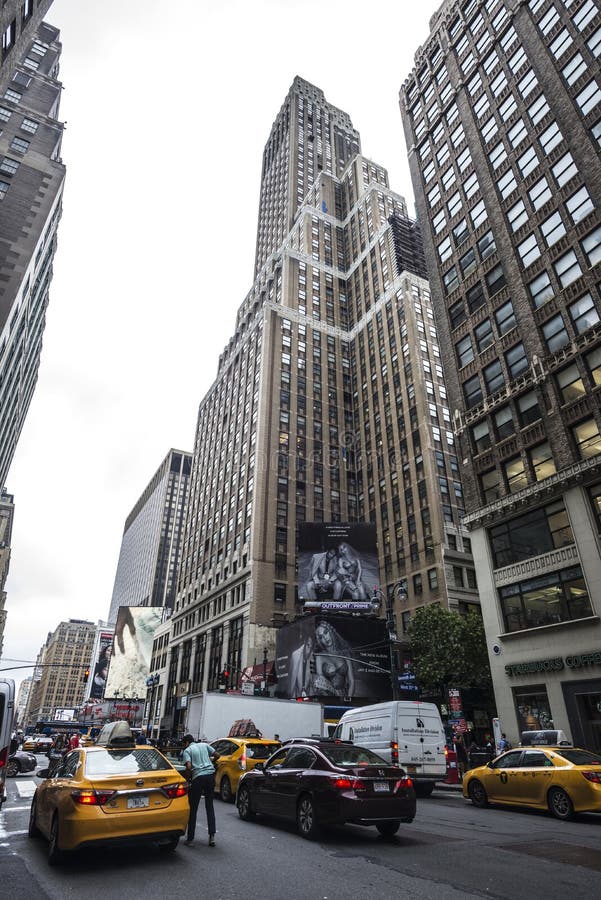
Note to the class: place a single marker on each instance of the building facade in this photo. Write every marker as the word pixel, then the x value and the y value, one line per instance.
pixel 59 679
pixel 19 19
pixel 22 700
pixel 31 186
pixel 7 512
pixel 329 405
pixel 502 117
pixel 151 543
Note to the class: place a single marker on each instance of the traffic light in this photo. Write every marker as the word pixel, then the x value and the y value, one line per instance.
pixel 224 679
pixel 86 674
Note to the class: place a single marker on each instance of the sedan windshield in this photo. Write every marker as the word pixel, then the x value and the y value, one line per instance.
pixel 581 757
pixel 343 755
pixel 124 762
pixel 261 751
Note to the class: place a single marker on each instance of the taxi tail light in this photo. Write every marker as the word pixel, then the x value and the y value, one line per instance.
pixel 403 783
pixel 92 798
pixel 175 790
pixel 3 757
pixel 242 760
pixel 349 784
pixel 394 753
pixel 595 777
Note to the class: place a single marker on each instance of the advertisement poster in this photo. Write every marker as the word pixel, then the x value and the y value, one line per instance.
pixel 333 656
pixel 337 561
pixel 132 649
pixel 101 667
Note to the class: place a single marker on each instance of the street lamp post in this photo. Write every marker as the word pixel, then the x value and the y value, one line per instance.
pixel 151 682
pixel 400 588
pixel 265 671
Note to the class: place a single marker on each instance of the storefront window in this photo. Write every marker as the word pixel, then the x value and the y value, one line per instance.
pixel 532 708
pixel 546 600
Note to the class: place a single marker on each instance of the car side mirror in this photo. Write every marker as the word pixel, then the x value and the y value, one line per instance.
pixel 259 767
pixel 42 773
pixel 489 764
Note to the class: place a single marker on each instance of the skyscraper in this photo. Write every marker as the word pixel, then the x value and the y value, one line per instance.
pixel 329 405
pixel 19 19
pixel 31 185
pixel 7 512
pixel 502 116
pixel 151 544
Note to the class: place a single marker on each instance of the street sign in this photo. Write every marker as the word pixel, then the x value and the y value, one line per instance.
pixel 247 687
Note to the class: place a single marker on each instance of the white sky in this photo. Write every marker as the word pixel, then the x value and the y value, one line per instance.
pixel 168 105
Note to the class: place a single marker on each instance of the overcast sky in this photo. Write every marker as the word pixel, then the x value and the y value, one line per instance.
pixel 168 105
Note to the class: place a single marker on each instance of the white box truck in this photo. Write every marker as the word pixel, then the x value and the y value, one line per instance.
pixel 404 732
pixel 211 715
pixel 7 715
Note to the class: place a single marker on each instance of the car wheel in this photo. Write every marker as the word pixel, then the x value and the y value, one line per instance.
pixel 306 820
pixel 423 790
pixel 169 846
pixel 387 829
pixel 33 831
pixel 245 810
pixel 55 855
pixel 12 768
pixel 477 793
pixel 560 804
pixel 225 790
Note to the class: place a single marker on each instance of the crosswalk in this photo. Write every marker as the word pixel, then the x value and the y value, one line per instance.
pixel 14 814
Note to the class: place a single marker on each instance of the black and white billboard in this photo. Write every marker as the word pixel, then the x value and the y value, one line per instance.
pixel 334 656
pixel 132 649
pixel 337 561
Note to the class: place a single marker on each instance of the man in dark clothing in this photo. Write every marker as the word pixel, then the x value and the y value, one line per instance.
pixel 200 758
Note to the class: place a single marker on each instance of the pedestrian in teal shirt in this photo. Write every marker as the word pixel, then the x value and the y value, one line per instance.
pixel 199 757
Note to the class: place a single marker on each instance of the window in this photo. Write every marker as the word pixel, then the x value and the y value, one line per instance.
pixel 545 600
pixel 464 351
pixel 498 84
pixel 454 204
pixel 444 249
pixel 532 534
pixel 584 314
pixel 570 384
pixel 457 314
pixel 472 391
pixel 467 262
pixel 574 69
pixel 517 133
pixel 541 289
pixel 498 155
pixel 540 193
pixel 593 361
pixel 579 205
pixel 561 44
pixel 542 461
pixel 584 15
pixel 527 83
pixel 434 195
pixel 451 279
pixel 528 409
pixel 515 473
pixel 589 97
pixel 464 159
pixel 490 483
pixel 489 129
pixel 493 376
pixel 507 184
pixel 448 179
pixel 495 279
pixel 564 169
pixel 594 42
pixel 486 245
pixel 507 108
pixel 484 335
pixel 504 424
pixel 460 233
pixel 29 125
pixel 481 106
pixel 517 215
pixel 591 245
pixel 481 436
pixel 4 186
pixel 439 221
pixel 555 334
pixel 5 114
pixel 516 359
pixel 475 297
pixel 433 579
pixel 478 214
pixel 20 145
pixel 538 110
pixel 505 318
pixel 9 166
pixel 458 576
pixel 567 268
pixel 528 161
pixel 553 229
pixel 529 250
pixel 13 96
pixel 548 20
pixel 470 186
pixel 587 438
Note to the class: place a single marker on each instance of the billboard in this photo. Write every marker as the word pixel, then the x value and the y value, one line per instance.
pixel 334 656
pixel 337 561
pixel 101 667
pixel 132 649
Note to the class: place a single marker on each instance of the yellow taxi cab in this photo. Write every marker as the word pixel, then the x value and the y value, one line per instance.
pixel 562 780
pixel 237 756
pixel 115 792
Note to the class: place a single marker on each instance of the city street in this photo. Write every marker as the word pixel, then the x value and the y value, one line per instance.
pixel 451 850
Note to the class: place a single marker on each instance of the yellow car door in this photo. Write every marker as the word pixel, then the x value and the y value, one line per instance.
pixel 537 771
pixel 502 777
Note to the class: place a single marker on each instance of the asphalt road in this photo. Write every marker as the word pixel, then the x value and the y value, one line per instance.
pixel 451 850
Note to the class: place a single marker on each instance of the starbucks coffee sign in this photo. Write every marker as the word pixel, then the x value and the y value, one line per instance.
pixel 555 664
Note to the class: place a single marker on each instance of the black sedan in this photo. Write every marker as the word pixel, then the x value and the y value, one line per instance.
pixel 325 782
pixel 20 761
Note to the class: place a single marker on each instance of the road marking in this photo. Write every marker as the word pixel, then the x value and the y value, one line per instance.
pixel 26 788
pixel 14 808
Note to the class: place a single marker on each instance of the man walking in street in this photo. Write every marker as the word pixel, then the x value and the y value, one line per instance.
pixel 199 758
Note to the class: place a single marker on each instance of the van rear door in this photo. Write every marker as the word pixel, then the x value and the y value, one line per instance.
pixel 433 756
pixel 421 742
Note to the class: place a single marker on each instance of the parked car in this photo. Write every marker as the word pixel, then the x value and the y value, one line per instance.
pixel 20 761
pixel 325 782
pixel 38 743
pixel 236 756
pixel 563 780
pixel 112 793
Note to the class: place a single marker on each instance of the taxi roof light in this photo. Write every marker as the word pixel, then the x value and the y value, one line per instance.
pixel 116 734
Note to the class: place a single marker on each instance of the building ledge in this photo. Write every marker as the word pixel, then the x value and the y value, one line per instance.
pixel 541 629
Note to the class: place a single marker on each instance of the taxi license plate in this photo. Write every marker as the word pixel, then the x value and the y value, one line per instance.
pixel 412 769
pixel 137 802
pixel 381 786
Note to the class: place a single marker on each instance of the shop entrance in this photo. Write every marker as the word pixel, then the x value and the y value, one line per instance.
pixel 583 704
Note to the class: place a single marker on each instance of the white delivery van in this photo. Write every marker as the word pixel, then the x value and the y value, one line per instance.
pixel 404 732
pixel 7 715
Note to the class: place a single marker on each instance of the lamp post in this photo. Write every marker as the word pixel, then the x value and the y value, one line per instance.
pixel 400 589
pixel 151 683
pixel 264 671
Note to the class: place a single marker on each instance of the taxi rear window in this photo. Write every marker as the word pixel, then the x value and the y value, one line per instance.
pixel 124 762
pixel 581 757
pixel 261 751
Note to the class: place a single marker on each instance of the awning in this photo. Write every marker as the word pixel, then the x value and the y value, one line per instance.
pixel 256 674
